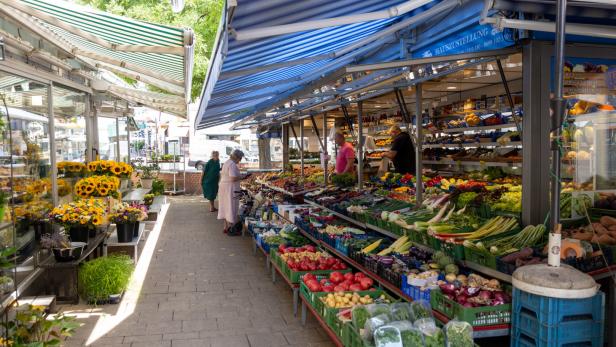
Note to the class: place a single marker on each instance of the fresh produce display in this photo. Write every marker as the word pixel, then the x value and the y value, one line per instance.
pixel 601 232
pixel 307 258
pixel 528 237
pixel 344 180
pixel 605 201
pixel 346 300
pixel 459 334
pixel 478 291
pixel 339 282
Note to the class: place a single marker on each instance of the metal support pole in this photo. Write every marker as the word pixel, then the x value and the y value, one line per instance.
pixel 95 139
pixel 128 145
pixel 316 130
pixel 301 147
pixel 360 145
pixel 52 146
pixel 285 146
pixel 325 161
pixel 118 139
pixel 509 97
pixel 558 106
pixel 418 144
pixel 88 118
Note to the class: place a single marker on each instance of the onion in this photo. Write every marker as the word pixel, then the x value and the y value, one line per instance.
pixel 471 291
pixel 485 295
pixel 468 304
pixel 497 302
pixel 462 299
pixel 448 288
pixel 500 295
pixel 450 297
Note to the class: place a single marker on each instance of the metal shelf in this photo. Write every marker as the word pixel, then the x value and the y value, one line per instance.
pixel 480 128
pixel 474 144
pixel 472 163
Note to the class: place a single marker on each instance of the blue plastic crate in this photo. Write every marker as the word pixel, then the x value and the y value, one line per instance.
pixel 341 247
pixel 413 291
pixel 521 339
pixel 552 311
pixel 567 332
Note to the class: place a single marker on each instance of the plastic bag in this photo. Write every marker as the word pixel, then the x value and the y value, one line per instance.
pixel 401 311
pixel 421 309
pixel 361 313
pixel 459 334
pixel 372 324
pixel 433 336
pixel 398 334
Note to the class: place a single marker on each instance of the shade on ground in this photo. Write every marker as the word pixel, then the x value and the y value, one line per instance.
pixel 201 288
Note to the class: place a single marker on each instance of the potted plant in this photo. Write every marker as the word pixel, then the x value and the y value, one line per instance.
pixel 32 327
pixel 106 278
pixel 6 281
pixel 63 250
pixel 79 217
pixel 34 214
pixel 127 219
pixel 148 199
pixel 147 174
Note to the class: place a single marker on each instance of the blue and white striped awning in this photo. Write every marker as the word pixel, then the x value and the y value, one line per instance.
pixel 253 71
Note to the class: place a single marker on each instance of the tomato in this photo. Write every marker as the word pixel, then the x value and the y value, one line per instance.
pixel 310 248
pixel 359 276
pixel 349 276
pixel 324 282
pixel 338 289
pixel 336 277
pixel 366 283
pixel 308 277
pixel 355 287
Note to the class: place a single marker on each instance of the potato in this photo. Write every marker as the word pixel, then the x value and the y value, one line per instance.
pixel 612 227
pixel 607 240
pixel 607 221
pixel 599 228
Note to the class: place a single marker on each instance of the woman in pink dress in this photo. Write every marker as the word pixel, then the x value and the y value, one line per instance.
pixel 228 199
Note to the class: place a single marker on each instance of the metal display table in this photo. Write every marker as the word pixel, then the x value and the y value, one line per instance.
pixel 112 242
pixel 136 195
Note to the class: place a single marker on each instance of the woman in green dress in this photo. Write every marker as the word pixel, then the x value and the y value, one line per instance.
pixel 210 178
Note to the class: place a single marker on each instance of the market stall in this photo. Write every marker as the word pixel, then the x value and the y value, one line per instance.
pixel 473 88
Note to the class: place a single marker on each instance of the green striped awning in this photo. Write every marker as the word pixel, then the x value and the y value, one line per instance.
pixel 155 54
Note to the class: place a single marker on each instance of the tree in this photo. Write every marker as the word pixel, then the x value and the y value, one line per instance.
pixel 203 16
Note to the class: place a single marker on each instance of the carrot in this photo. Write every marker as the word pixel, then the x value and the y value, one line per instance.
pixel 607 221
pixel 606 239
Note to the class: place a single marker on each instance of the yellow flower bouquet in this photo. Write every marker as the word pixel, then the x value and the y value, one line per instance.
pixel 87 213
pixel 110 168
pixel 35 210
pixel 97 186
pixel 71 169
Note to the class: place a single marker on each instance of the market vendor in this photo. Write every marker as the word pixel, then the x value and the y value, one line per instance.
pixel 402 152
pixel 345 159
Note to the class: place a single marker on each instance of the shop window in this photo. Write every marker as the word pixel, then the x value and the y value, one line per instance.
pixel 589 135
pixel 24 171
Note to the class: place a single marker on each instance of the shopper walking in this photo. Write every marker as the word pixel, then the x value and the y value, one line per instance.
pixel 402 152
pixel 228 199
pixel 345 159
pixel 209 180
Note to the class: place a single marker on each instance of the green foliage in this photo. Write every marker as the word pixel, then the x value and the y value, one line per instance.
pixel 5 255
pixel 32 328
pixel 203 16
pixel 158 187
pixel 105 276
pixel 148 171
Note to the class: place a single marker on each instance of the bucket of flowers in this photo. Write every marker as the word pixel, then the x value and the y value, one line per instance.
pixel 126 219
pixel 71 169
pixel 80 217
pixel 34 214
pixel 114 168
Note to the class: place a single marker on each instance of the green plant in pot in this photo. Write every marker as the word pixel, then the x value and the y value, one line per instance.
pixel 32 327
pixel 6 280
pixel 105 278
pixel 147 174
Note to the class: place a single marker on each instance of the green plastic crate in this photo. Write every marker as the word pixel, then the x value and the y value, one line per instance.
pixel 476 316
pixel 422 238
pixel 481 258
pixel 351 337
pixel 454 250
pixel 295 276
pixel 434 243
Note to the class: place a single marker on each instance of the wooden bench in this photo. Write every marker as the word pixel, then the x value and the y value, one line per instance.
pixel 112 242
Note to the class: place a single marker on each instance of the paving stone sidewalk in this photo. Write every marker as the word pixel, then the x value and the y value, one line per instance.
pixel 202 288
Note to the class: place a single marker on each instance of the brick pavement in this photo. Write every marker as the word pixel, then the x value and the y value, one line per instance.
pixel 202 288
